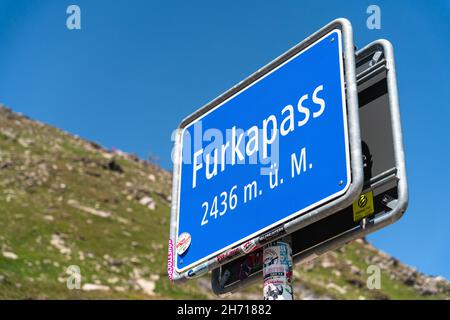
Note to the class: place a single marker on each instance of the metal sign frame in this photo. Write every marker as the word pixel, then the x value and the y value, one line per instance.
pixel 304 219
pixel 397 177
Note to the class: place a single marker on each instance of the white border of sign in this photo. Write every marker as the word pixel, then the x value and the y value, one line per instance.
pixel 356 181
pixel 297 213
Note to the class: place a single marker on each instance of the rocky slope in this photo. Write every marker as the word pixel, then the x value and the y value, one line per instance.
pixel 68 205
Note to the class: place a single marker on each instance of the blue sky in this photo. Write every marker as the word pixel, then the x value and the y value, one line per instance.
pixel 138 67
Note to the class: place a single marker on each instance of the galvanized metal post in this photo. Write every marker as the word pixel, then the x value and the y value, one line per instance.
pixel 277 270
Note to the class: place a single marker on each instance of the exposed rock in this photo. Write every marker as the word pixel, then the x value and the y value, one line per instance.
pixel 94 287
pixel 303 293
pixel 327 263
pixel 113 280
pixel 148 286
pixel 334 286
pixel 25 142
pixel 95 212
pixel 10 255
pixel 113 166
pixel 356 282
pixel 5 164
pixel 120 289
pixel 355 270
pixel 336 272
pixel 148 202
pixel 59 244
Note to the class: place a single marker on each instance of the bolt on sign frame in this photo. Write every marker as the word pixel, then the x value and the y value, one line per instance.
pixel 305 218
pixel 384 175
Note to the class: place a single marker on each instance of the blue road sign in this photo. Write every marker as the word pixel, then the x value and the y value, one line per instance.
pixel 269 153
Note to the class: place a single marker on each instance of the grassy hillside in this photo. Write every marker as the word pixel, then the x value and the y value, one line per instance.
pixel 65 201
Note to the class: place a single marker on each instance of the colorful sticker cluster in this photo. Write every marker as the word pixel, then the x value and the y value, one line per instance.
pixel 277 271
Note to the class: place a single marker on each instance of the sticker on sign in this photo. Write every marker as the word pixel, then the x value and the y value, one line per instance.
pixel 363 206
pixel 271 151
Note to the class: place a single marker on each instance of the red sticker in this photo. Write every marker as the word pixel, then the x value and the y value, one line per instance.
pixel 184 241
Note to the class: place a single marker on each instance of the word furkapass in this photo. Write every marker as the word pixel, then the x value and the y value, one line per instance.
pixel 250 146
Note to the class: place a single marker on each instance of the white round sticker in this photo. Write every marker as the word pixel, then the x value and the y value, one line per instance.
pixel 184 241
